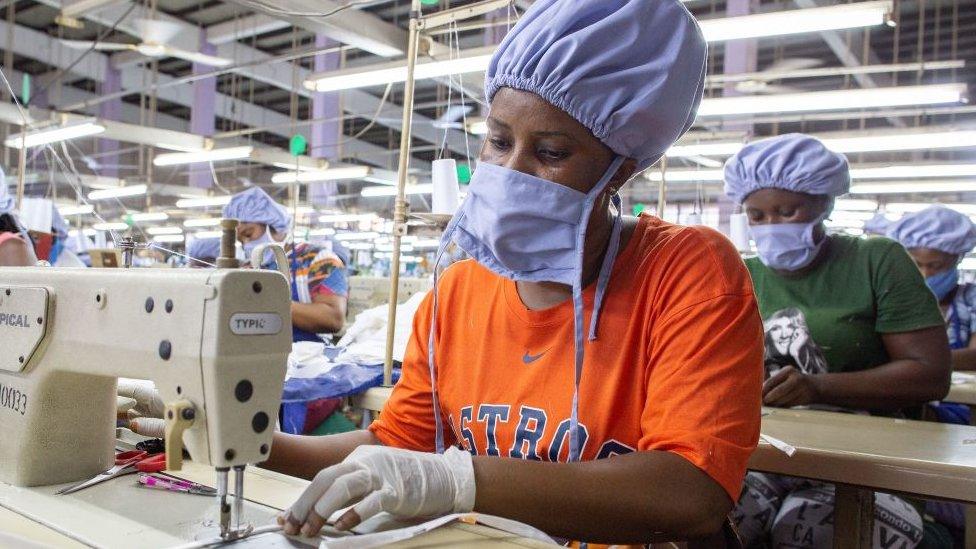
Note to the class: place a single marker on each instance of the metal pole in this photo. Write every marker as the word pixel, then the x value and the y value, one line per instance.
pixel 400 205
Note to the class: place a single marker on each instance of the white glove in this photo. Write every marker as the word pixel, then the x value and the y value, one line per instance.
pixel 376 478
pixel 148 402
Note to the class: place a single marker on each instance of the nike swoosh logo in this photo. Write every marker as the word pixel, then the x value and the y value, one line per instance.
pixel 529 359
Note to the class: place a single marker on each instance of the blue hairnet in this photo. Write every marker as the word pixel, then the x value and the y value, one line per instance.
pixel 256 206
pixel 877 225
pixel 631 71
pixel 791 162
pixel 58 225
pixel 7 202
pixel 935 227
pixel 204 248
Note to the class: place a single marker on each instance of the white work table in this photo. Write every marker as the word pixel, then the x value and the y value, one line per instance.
pixel 964 393
pixel 119 513
pixel 862 454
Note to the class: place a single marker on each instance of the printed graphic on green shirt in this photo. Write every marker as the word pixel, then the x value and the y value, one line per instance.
pixel 788 343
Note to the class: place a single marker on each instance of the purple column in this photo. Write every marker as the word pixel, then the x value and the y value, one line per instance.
pixel 740 57
pixel 202 114
pixel 325 136
pixel 110 110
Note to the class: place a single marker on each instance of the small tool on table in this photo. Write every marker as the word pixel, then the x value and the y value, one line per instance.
pixel 125 463
pixel 175 485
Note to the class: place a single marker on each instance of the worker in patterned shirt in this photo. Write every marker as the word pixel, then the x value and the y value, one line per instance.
pixel 319 284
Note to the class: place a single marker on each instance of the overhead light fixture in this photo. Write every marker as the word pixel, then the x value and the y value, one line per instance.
pixel 685 175
pixel 346 218
pixel 149 216
pixel 200 235
pixel 423 188
pixel 327 231
pixel 780 23
pixel 301 165
pixel 428 243
pixel 213 155
pixel 202 222
pixel 910 171
pixel 330 174
pixel 385 73
pixel 915 187
pixel 83 209
pixel 368 235
pixel 86 232
pixel 912 207
pixel 360 246
pixel 54 134
pixel 855 205
pixel 155 231
pixel 168 238
pixel 848 16
pixel 118 192
pixel 899 141
pixel 866 98
pixel 203 202
pixel 110 226
pixel 405 248
pixel 850 216
pixel 477 126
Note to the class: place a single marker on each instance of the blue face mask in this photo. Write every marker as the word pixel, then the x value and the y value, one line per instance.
pixel 525 228
pixel 943 283
pixel 787 246
pixel 263 239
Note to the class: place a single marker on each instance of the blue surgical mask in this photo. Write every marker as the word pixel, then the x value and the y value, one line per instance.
pixel 525 228
pixel 249 247
pixel 943 283
pixel 787 246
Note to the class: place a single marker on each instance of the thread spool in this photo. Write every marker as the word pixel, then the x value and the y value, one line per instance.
pixel 445 179
pixel 148 427
pixel 228 238
pixel 739 232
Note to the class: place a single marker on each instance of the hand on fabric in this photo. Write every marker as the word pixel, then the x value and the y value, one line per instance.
pixel 377 478
pixel 148 402
pixel 791 387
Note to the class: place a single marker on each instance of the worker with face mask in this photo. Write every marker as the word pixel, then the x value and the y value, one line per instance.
pixel 594 375
pixel 850 322
pixel 319 285
pixel 203 252
pixel 938 238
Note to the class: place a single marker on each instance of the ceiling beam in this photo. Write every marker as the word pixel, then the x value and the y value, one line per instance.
pixel 244 27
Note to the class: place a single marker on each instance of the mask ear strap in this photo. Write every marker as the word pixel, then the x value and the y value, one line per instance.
pixel 613 247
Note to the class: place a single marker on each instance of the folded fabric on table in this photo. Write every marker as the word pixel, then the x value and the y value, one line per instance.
pixel 317 371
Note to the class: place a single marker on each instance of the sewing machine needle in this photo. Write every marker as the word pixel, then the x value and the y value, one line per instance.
pixel 224 507
pixel 238 496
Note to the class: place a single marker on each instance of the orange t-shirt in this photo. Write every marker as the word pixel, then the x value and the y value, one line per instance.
pixel 677 365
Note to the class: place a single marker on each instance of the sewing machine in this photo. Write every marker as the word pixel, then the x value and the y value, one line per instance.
pixel 214 342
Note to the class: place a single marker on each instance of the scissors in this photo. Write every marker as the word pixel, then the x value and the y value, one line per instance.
pixel 125 463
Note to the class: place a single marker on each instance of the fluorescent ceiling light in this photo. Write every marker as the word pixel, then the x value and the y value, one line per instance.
pixel 346 218
pixel 848 216
pixel 396 71
pixel 82 209
pixel 911 207
pixel 327 231
pixel 477 126
pixel 117 192
pixel 861 14
pixel 207 234
pixel 848 16
pixel 110 226
pixel 910 171
pixel 866 98
pixel 202 222
pixel 54 134
pixel 855 204
pixel 423 188
pixel 686 175
pixel 368 235
pixel 428 243
pixel 168 238
pixel 301 165
pixel 331 174
pixel 389 248
pixel 87 232
pixel 912 187
pixel 203 202
pixel 907 141
pixel 155 231
pixel 149 216
pixel 359 246
pixel 213 155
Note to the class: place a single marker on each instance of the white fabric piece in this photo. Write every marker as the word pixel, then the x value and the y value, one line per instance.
pixel 366 338
pixel 404 483
pixel 380 539
pixel 787 449
pixel 307 360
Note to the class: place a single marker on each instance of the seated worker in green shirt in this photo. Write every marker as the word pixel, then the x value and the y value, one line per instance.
pixel 850 324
